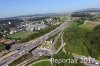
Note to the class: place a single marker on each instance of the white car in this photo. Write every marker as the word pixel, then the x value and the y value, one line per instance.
pixel 21 52
pixel 96 63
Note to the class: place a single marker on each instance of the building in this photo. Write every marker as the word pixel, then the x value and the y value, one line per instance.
pixel 12 30
pixel 40 26
pixel 49 20
pixel 75 18
pixel 31 26
pixel 7 42
pixel 9 23
pixel 2 41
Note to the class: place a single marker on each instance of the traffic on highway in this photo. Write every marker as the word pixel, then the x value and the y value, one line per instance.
pixel 31 44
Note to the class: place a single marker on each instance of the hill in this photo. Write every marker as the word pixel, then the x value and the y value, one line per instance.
pixel 89 10
pixel 83 41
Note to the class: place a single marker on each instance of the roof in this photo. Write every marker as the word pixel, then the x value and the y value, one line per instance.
pixel 7 42
pixel 2 41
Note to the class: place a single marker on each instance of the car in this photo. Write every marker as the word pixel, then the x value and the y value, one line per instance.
pixel 96 63
pixel 18 49
pixel 3 63
pixel 26 45
pixel 13 57
pixel 21 52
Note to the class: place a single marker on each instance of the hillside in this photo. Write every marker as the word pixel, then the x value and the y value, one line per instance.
pixel 83 41
pixel 89 10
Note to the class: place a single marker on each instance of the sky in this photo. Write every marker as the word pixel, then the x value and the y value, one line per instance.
pixel 9 8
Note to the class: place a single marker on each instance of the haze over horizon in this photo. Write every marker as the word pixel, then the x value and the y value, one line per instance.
pixel 10 8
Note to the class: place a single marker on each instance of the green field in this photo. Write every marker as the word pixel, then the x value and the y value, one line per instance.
pixel 42 63
pixel 21 35
pixel 89 25
pixel 25 36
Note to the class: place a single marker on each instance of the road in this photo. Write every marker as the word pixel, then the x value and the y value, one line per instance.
pixel 62 45
pixel 62 41
pixel 41 52
pixel 28 61
pixel 32 44
pixel 87 60
pixel 36 53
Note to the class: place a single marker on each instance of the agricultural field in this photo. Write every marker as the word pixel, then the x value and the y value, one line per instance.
pixel 21 35
pixel 90 24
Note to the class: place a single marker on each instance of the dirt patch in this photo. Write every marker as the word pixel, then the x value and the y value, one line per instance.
pixel 91 23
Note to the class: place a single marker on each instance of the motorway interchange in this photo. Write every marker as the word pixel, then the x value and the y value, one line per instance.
pixel 18 52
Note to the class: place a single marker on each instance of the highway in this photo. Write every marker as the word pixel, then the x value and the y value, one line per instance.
pixel 32 44
pixel 41 52
pixel 62 44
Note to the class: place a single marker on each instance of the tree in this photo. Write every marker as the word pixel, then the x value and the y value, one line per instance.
pixel 0 35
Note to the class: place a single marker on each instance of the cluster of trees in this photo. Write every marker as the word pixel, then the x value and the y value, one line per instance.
pixel 4 26
pixel 62 18
pixel 96 35
pixel 83 41
pixel 92 18
pixel 81 20
pixel 14 21
pixel 37 18
pixel 2 47
pixel 80 15
pixel 0 35
pixel 86 15
pixel 93 38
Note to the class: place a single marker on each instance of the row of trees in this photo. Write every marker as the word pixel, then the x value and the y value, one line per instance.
pixel 0 35
pixel 80 15
pixel 86 15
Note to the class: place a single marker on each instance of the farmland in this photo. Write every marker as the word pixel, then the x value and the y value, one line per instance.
pixel 21 35
pixel 90 24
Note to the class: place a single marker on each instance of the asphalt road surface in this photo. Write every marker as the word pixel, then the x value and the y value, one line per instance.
pixel 32 44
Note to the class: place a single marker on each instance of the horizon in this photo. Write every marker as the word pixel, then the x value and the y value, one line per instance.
pixel 14 8
pixel 46 13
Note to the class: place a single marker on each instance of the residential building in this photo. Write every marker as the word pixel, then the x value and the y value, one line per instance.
pixel 12 30
pixel 7 42
pixel 40 26
pixel 31 26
